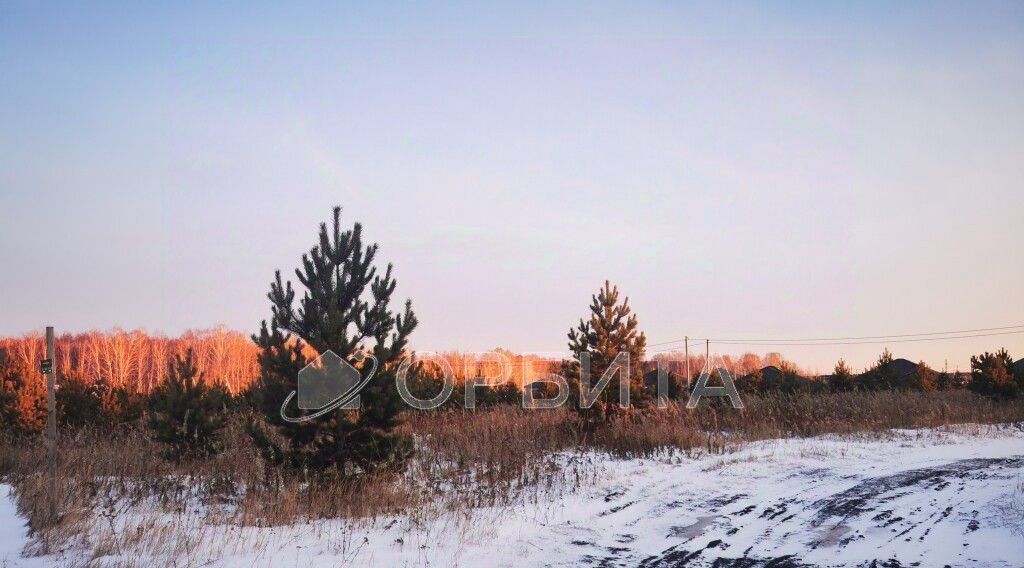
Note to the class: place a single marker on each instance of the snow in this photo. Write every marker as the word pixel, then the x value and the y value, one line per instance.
pixel 13 532
pixel 933 497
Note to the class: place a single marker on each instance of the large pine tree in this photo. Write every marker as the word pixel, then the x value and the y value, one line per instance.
pixel 611 329
pixel 344 308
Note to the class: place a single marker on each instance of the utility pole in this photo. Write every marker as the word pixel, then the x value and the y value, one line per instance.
pixel 707 353
pixel 51 421
pixel 686 349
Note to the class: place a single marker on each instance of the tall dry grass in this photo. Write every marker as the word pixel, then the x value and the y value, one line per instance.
pixel 716 427
pixel 465 460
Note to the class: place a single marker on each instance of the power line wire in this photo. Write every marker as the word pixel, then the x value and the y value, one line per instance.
pixel 691 340
pixel 781 341
pixel 873 342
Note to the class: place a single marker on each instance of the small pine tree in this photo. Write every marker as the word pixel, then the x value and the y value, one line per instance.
pixel 79 402
pixel 22 399
pixel 842 378
pixel 9 379
pixel 345 309
pixel 120 406
pixel 186 414
pixel 882 376
pixel 490 396
pixel 751 383
pixel 792 382
pixel 992 375
pixel 612 329
pixel 924 378
pixel 674 381
pixel 85 404
pixel 425 381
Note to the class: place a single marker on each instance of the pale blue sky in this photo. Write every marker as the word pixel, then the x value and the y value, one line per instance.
pixel 755 170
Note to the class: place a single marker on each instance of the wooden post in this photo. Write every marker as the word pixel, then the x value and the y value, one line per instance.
pixel 686 350
pixel 51 423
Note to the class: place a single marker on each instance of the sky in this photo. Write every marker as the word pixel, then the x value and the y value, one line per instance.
pixel 750 170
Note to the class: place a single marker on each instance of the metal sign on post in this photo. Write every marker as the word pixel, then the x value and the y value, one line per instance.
pixel 46 366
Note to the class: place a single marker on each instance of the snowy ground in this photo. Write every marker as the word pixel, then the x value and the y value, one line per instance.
pixel 918 498
pixel 13 534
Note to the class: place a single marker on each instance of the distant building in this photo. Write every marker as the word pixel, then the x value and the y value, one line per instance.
pixel 903 368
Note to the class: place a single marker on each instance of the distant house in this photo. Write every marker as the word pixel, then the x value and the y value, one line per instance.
pixel 1018 368
pixel 776 379
pixel 674 383
pixel 651 380
pixel 903 368
pixel 771 375
pixel 538 389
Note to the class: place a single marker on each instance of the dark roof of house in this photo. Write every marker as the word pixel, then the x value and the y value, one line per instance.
pixel 651 378
pixel 535 386
pixel 771 372
pixel 1018 367
pixel 904 367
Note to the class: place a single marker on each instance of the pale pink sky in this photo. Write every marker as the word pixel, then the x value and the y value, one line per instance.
pixel 751 172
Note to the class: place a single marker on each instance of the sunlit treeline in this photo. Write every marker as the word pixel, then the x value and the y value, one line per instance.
pixel 494 367
pixel 523 369
pixel 137 360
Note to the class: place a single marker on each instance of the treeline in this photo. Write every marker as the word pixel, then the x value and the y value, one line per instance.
pixel 186 411
pixel 992 374
pixel 137 361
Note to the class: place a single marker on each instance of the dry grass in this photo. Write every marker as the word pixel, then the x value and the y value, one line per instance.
pixel 465 460
pixel 715 427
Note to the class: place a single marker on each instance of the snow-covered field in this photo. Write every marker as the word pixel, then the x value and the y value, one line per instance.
pixel 916 498
pixel 13 534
